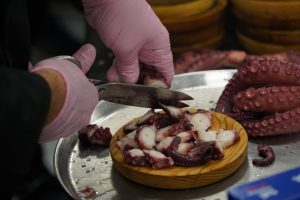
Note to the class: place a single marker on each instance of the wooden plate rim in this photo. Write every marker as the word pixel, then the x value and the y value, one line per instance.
pixel 197 170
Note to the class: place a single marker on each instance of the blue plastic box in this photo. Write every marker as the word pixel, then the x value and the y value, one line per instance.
pixel 282 186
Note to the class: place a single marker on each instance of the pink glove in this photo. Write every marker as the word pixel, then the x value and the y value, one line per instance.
pixel 81 97
pixel 134 33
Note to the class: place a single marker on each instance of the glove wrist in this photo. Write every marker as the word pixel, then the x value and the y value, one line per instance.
pixel 58 92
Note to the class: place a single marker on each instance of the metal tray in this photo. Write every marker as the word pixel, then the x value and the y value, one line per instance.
pixel 77 166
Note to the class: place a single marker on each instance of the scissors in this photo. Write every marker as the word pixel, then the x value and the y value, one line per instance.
pixel 135 94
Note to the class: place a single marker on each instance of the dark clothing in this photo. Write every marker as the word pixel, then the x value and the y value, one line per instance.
pixel 25 97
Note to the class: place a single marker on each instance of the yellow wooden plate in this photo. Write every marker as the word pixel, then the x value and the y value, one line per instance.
pixel 213 42
pixel 195 22
pixel 182 10
pixel 257 47
pixel 198 36
pixel 167 2
pixel 285 37
pixel 268 14
pixel 177 177
pixel 269 9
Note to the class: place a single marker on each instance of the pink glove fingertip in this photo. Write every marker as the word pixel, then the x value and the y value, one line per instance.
pixel 86 56
pixel 112 74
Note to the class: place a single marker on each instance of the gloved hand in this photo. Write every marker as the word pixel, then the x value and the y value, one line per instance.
pixel 134 33
pixel 81 96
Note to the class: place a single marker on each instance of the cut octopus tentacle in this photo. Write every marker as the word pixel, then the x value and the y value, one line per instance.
pixel 201 120
pixel 267 153
pixel 199 155
pixel 158 160
pixel 92 134
pixel 135 157
pixel 145 137
pixel 227 137
pixel 182 125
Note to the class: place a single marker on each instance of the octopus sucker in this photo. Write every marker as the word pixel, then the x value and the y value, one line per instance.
pixel 266 98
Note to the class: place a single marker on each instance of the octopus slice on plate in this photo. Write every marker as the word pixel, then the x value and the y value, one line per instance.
pixel 157 159
pixel 135 157
pixel 145 137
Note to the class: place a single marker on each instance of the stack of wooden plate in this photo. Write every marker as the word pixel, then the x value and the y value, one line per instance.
pixel 268 26
pixel 192 24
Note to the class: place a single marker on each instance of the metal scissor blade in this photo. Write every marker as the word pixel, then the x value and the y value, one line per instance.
pixel 141 95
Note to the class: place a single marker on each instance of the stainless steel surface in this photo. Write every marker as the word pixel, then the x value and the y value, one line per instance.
pixel 77 167
pixel 140 95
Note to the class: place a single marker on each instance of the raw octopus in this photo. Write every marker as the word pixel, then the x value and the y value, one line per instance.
pixel 264 96
pixel 209 59
pixel 92 134
pixel 267 153
pixel 174 137
pixel 264 93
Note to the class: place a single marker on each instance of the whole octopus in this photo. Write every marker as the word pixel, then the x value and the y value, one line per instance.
pixel 264 93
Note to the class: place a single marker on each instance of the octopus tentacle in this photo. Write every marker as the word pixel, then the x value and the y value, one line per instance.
pixel 258 71
pixel 279 123
pixel 267 153
pixel 270 99
pixel 198 155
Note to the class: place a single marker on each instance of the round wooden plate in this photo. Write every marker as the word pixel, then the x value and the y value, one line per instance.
pixel 196 22
pixel 268 14
pixel 269 9
pixel 258 47
pixel 213 42
pixel 182 10
pixel 177 177
pixel 285 37
pixel 198 36
pixel 167 2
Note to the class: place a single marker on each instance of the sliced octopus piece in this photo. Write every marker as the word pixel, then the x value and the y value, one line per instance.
pixel 135 157
pixel 145 137
pixel 157 159
pixel 227 137
pixel 201 120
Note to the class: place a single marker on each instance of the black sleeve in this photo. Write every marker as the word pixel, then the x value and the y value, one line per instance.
pixel 24 104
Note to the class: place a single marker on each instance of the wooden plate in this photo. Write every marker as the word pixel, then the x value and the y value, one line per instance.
pixel 213 42
pixel 198 36
pixel 257 47
pixel 167 2
pixel 192 23
pixel 269 9
pixel 182 10
pixel 268 14
pixel 176 177
pixel 271 36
